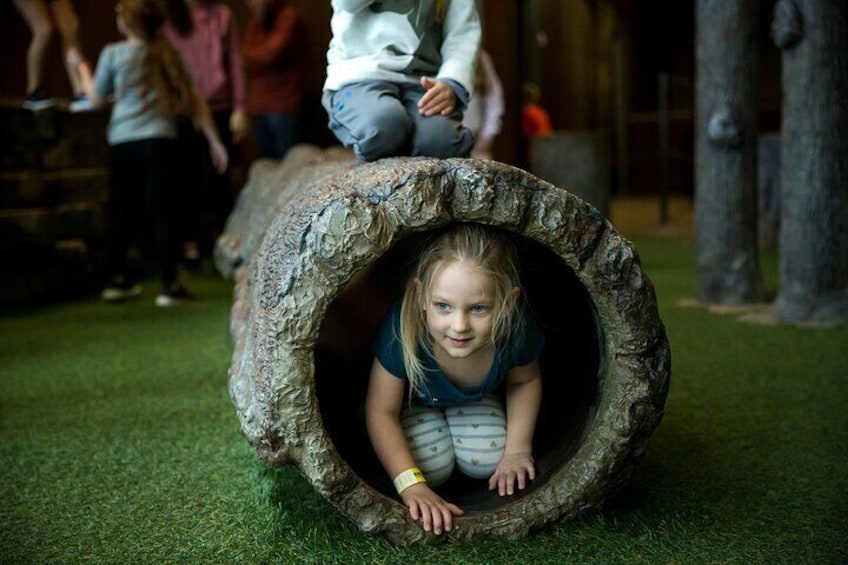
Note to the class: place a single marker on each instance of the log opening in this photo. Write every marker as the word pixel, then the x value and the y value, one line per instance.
pixel 570 365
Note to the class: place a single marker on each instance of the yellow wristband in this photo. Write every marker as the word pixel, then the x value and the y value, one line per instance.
pixel 411 476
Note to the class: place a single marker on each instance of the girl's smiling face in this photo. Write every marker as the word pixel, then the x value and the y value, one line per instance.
pixel 459 310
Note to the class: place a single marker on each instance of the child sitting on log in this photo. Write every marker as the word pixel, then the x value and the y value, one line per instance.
pixel 459 332
pixel 399 74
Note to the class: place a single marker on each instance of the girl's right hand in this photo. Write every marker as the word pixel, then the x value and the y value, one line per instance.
pixel 430 509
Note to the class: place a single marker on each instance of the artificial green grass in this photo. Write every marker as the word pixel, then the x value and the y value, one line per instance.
pixel 118 444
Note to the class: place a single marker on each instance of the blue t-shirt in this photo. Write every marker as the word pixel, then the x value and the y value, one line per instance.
pixel 133 117
pixel 520 349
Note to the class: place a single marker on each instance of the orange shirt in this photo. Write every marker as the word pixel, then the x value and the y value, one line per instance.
pixel 535 121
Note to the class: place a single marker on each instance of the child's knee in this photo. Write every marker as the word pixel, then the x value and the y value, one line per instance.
pixel 386 135
pixel 42 31
pixel 479 436
pixel 430 443
pixel 438 136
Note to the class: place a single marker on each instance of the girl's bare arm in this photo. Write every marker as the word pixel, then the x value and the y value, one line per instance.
pixel 217 151
pixel 523 397
pixel 75 59
pixel 382 415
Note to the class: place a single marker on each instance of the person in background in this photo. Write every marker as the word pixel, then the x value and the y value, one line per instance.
pixel 399 75
pixel 41 16
pixel 486 107
pixel 146 78
pixel 206 35
pixel 273 52
pixel 535 120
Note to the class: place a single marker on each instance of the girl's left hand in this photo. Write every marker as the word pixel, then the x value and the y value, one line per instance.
pixel 439 98
pixel 513 468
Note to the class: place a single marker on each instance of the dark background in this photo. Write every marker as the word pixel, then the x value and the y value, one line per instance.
pixel 588 57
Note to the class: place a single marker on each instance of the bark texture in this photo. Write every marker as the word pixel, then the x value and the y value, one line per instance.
pixel 343 217
pixel 725 152
pixel 814 161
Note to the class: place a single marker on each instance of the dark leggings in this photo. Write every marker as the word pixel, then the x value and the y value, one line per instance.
pixel 141 178
pixel 205 198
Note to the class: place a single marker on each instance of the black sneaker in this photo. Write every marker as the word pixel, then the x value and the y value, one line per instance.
pixel 172 296
pixel 38 100
pixel 120 289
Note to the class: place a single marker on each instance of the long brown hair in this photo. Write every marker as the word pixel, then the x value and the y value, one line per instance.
pixel 162 69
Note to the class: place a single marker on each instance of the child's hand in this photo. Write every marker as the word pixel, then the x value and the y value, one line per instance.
pixel 428 508
pixel 219 156
pixel 513 467
pixel 239 125
pixel 439 98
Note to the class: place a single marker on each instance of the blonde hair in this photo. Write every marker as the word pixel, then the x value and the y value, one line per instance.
pixel 162 69
pixel 486 250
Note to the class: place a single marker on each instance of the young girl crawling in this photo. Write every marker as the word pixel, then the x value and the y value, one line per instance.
pixel 459 332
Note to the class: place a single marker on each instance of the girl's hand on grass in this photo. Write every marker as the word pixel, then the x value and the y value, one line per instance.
pixel 430 509
pixel 513 468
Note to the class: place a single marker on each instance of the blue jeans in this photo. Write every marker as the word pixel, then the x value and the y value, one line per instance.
pixel 276 133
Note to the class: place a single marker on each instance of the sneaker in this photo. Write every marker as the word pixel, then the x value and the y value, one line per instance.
pixel 172 296
pixel 120 289
pixel 37 100
pixel 80 103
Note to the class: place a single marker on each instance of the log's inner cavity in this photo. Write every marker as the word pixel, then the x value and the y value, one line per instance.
pixel 571 365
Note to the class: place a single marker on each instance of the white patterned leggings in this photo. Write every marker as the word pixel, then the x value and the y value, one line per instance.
pixel 472 437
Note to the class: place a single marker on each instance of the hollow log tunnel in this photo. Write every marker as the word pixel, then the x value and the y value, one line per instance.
pixel 338 239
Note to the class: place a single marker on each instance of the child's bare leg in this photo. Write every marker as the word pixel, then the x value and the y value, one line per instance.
pixel 35 13
pixel 67 22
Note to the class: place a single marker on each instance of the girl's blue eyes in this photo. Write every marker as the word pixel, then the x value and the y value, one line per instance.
pixel 476 309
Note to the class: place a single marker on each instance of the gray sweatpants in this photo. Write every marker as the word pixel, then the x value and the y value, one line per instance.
pixel 381 119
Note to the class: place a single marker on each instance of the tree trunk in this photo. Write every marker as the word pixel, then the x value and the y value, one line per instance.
pixel 814 161
pixel 725 144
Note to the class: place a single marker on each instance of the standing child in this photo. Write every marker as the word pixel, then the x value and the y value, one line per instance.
pixel 206 35
pixel 274 54
pixel 486 108
pixel 399 74
pixel 150 87
pixel 459 332
pixel 42 17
